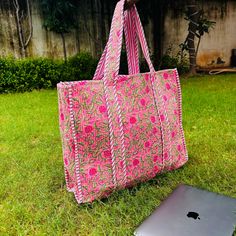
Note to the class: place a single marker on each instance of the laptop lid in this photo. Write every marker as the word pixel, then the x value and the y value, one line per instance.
pixel 190 211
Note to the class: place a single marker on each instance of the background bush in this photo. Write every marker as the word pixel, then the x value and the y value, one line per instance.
pixel 171 62
pixel 168 61
pixel 177 60
pixel 42 73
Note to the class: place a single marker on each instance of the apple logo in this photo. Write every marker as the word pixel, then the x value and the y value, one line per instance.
pixel 193 215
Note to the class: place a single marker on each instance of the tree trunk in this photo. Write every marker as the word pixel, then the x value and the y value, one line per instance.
pixel 29 15
pixel 22 35
pixel 159 11
pixel 19 27
pixel 198 44
pixel 64 46
pixel 103 25
pixel 97 41
pixel 193 15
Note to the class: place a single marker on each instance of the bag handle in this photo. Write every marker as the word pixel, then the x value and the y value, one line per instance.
pixel 131 41
pixel 142 38
pixel 115 42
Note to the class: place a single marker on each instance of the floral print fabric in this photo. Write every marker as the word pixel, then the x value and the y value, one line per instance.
pixel 153 140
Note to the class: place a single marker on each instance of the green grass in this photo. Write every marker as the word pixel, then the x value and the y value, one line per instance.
pixel 33 198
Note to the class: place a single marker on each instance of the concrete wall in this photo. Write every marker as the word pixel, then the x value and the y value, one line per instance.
pixel 86 37
pixel 48 44
pixel 93 27
pixel 215 47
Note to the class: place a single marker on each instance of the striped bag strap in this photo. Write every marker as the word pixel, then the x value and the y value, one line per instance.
pixel 131 42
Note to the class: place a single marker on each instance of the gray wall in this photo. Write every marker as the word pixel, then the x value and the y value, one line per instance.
pixel 218 44
pixel 93 26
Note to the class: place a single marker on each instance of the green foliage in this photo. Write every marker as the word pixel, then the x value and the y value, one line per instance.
pixel 179 61
pixel 28 74
pixel 59 15
pixel 204 25
pixel 80 67
pixel 168 61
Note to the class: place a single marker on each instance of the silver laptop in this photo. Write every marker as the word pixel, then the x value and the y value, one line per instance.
pixel 190 211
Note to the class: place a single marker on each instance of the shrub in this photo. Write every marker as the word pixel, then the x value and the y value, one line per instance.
pixel 170 60
pixel 42 73
pixel 81 67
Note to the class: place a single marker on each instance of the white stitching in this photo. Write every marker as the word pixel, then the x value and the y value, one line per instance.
pixel 79 197
pixel 180 112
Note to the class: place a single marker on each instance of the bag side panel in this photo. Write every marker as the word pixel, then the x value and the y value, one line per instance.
pixel 167 83
pixel 67 139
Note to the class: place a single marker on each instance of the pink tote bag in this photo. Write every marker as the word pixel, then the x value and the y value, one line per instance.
pixel 118 130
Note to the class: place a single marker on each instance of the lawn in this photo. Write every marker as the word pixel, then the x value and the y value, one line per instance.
pixel 33 198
